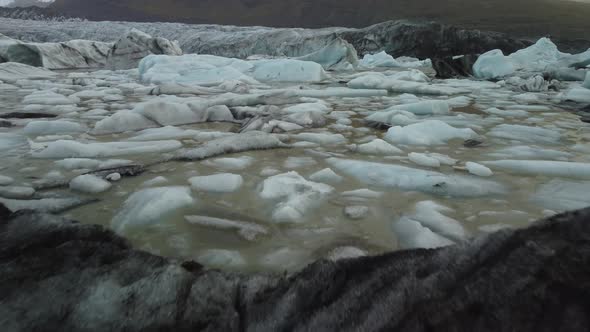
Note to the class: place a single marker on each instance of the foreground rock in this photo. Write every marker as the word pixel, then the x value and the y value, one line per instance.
pixel 60 275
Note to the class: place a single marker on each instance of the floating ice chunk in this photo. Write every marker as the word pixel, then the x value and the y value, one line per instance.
pixel 247 230
pixel 89 184
pixel 122 121
pixel 478 169
pixel 362 193
pixel 17 192
pixel 49 138
pixel 393 117
pixel 380 59
pixel 430 214
pixel 284 259
pixel 493 64
pixel 423 159
pixel 529 152
pixel 380 81
pixel 6 180
pixel 439 107
pixel 411 234
pixel 204 70
pixel 525 134
pixel 113 177
pixel 413 75
pixel 507 113
pixel 288 70
pixel 395 177
pixel 78 163
pixel 379 147
pixel 90 164
pixel 155 182
pixel 47 205
pixel 537 56
pixel 346 253
pixel 543 167
pixel 269 171
pixel 238 163
pixel 221 258
pixel 308 107
pixel 13 144
pixel 307 119
pixel 236 143
pixel 35 128
pixel 217 183
pixel 49 98
pixel 586 83
pixel 168 132
pixel 295 194
pixel 151 206
pixel 530 98
pixel 11 72
pixel 580 95
pixel 493 228
pixel 356 212
pixel 326 175
pixel 296 162
pixel 72 149
pixel 167 113
pixel 429 132
pixel 338 92
pixel 562 195
pixel 320 138
pixel 443 159
pixel 219 113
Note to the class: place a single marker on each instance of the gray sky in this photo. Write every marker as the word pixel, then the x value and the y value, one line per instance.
pixel 5 2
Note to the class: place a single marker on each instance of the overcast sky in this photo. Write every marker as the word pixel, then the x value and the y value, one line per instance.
pixel 5 2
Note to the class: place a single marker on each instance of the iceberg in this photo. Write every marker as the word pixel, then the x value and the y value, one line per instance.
pixel 295 196
pixel 429 132
pixel 395 177
pixel 209 70
pixel 217 183
pixel 71 149
pixel 493 65
pixel 89 184
pixel 543 167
